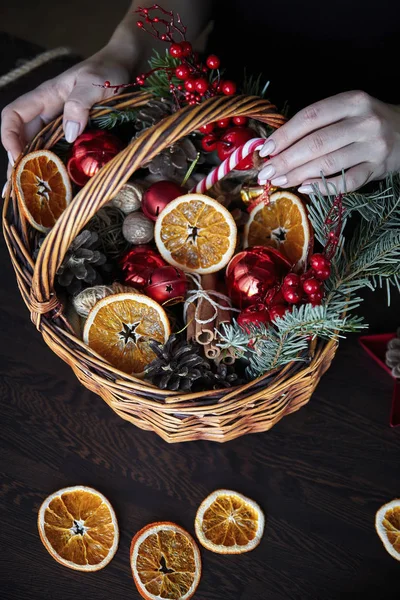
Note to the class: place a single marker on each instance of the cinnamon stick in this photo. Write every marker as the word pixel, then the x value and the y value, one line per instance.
pixel 205 331
pixel 190 321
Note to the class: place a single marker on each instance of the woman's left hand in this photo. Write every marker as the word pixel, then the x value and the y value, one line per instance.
pixel 351 131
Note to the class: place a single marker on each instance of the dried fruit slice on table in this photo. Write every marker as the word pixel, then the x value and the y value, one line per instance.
pixel 196 233
pixel 78 527
pixel 282 223
pixel 229 523
pixel 387 525
pixel 165 562
pixel 120 327
pixel 43 188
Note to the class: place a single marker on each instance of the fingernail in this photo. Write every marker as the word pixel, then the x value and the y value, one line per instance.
pixel 267 149
pixel 10 158
pixel 71 131
pixel 305 189
pixel 282 180
pixel 3 193
pixel 266 172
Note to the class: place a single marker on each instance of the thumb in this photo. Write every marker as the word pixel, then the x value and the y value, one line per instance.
pixel 77 107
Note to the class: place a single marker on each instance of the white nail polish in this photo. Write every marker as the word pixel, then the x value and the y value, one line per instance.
pixel 10 158
pixel 267 172
pixel 305 189
pixel 278 181
pixel 3 193
pixel 268 148
pixel 71 131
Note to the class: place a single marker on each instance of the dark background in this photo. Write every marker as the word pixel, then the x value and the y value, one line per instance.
pixel 320 474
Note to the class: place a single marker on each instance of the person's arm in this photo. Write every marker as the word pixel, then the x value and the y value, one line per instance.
pixel 73 92
pixel 351 131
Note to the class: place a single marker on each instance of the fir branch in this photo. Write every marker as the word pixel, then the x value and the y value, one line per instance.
pixel 115 117
pixel 158 82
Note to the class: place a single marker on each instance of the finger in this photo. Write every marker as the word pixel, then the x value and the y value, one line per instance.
pixel 318 115
pixel 78 104
pixel 321 142
pixel 42 102
pixel 331 163
pixel 354 178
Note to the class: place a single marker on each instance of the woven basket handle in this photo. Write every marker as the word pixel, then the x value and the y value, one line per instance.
pixel 107 182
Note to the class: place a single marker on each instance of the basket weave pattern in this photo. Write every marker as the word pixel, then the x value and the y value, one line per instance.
pixel 219 415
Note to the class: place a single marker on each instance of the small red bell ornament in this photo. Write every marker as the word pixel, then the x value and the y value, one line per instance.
pixel 167 284
pixel 138 264
pixel 89 153
pixel 158 195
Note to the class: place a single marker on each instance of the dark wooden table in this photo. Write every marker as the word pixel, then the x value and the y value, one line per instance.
pixel 320 475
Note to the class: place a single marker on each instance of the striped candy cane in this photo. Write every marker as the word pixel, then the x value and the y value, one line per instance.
pixel 228 164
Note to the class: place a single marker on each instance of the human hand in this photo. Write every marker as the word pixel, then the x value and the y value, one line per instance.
pixel 72 93
pixel 351 131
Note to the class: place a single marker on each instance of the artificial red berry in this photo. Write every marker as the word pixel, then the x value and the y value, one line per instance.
pixel 192 102
pixel 186 48
pixel 322 274
pixel 163 37
pixel 107 84
pixel 213 62
pixel 201 85
pixel 207 128
pixel 139 23
pixel 223 123
pixel 276 311
pixel 155 20
pixel 292 280
pixel 176 50
pixel 291 295
pixel 140 80
pixel 316 298
pixel 190 84
pixel 319 261
pixel 209 142
pixel 311 286
pixel 228 88
pixel 240 120
pixel 182 72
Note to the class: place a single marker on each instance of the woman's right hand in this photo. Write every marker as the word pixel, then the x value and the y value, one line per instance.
pixel 73 92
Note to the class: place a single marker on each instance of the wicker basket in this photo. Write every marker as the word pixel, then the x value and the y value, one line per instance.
pixel 214 415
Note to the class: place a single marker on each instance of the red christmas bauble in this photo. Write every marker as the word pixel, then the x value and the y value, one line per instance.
pixel 253 315
pixel 138 264
pixel 167 284
pixel 89 153
pixel 158 195
pixel 232 139
pixel 253 272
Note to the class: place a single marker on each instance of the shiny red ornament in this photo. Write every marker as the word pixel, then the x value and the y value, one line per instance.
pixel 89 153
pixel 167 284
pixel 213 62
pixel 253 315
pixel 182 72
pixel 228 88
pixel 158 195
pixel 276 311
pixel 176 50
pixel 253 272
pixel 232 139
pixel 138 264
pixel 209 142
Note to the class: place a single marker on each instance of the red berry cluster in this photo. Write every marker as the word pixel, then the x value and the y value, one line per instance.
pixel 226 135
pixel 309 286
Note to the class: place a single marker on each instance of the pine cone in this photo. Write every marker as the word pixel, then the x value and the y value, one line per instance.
pixel 152 113
pixel 80 263
pixel 393 355
pixel 224 376
pixel 178 365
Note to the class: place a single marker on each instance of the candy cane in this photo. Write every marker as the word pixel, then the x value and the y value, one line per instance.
pixel 228 164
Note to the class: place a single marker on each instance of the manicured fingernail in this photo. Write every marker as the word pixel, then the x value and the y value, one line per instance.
pixel 3 193
pixel 282 180
pixel 266 172
pixel 267 149
pixel 71 131
pixel 305 189
pixel 10 158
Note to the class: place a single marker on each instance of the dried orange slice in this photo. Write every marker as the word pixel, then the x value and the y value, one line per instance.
pixel 196 233
pixel 387 525
pixel 165 562
pixel 78 527
pixel 283 224
pixel 120 327
pixel 43 188
pixel 229 523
